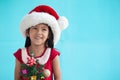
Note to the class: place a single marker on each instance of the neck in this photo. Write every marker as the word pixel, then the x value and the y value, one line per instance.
pixel 38 50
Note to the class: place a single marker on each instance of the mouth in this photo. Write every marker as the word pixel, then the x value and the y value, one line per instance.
pixel 38 38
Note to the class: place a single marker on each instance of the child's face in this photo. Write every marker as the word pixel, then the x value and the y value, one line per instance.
pixel 39 34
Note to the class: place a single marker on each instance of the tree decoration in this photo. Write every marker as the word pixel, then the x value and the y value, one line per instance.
pixel 33 70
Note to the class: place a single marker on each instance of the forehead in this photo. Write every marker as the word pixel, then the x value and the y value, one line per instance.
pixel 42 25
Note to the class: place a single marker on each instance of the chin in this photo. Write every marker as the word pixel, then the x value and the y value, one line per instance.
pixel 38 44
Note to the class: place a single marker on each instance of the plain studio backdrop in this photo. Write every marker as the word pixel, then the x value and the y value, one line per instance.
pixel 90 46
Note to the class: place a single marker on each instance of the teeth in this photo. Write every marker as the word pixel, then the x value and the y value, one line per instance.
pixel 38 37
pixel 41 36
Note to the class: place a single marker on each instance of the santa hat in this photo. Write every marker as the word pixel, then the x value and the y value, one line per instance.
pixel 44 14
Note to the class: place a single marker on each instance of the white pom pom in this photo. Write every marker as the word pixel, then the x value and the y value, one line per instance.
pixel 63 22
pixel 46 72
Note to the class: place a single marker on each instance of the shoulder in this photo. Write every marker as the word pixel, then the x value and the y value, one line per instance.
pixel 18 55
pixel 54 53
pixel 18 52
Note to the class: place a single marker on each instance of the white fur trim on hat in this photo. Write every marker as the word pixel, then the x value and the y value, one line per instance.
pixel 36 18
pixel 63 22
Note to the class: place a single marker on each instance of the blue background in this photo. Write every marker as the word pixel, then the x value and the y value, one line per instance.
pixel 90 46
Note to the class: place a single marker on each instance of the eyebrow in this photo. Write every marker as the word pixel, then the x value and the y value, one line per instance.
pixel 44 27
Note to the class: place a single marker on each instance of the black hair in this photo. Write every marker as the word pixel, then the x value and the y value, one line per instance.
pixel 49 42
pixel 27 41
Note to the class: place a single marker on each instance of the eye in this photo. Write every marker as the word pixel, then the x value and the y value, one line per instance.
pixel 34 28
pixel 44 29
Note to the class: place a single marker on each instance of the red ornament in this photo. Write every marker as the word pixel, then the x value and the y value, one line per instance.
pixel 31 61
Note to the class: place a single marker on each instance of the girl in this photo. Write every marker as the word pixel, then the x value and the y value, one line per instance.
pixel 39 60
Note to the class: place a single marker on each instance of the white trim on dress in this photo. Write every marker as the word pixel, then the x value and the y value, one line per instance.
pixel 41 60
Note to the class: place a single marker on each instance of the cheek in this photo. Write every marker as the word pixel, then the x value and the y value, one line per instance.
pixel 47 35
pixel 32 32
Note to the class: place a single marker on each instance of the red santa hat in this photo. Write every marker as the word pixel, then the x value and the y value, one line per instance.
pixel 44 14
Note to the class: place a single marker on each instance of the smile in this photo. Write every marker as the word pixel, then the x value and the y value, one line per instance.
pixel 38 37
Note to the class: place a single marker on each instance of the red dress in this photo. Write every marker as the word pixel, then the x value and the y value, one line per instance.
pixel 47 65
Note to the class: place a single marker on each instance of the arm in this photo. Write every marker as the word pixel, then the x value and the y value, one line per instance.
pixel 56 68
pixel 17 70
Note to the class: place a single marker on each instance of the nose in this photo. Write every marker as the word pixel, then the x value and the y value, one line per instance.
pixel 39 31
